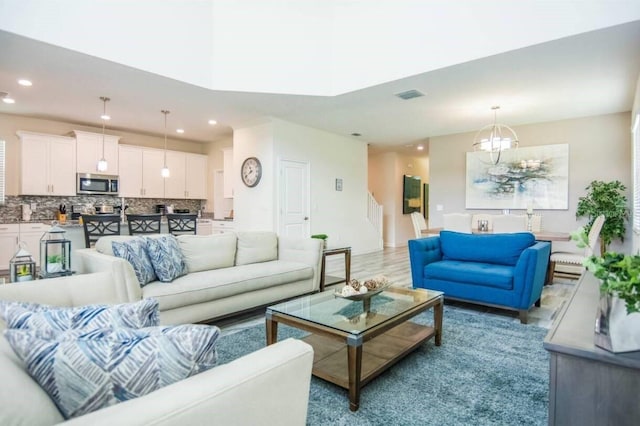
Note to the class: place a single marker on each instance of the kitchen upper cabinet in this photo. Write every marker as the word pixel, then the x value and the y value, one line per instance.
pixel 228 172
pixel 140 172
pixel 188 175
pixel 47 164
pixel 89 152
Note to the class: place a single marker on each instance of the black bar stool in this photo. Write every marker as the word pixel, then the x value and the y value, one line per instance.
pixel 182 223
pixel 99 225
pixel 143 223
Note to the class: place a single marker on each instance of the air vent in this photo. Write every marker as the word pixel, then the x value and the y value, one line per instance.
pixel 409 94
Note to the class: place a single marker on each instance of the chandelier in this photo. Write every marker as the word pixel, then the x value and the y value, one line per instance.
pixel 165 170
pixel 495 138
pixel 102 163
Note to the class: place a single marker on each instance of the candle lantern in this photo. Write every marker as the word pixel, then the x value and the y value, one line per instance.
pixel 55 253
pixel 22 267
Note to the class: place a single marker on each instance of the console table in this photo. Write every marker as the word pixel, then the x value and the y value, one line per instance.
pixel 589 385
pixel 326 280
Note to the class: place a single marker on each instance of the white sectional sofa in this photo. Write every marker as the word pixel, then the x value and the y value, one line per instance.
pixel 228 273
pixel 269 386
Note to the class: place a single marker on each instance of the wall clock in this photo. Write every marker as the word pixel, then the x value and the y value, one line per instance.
pixel 251 171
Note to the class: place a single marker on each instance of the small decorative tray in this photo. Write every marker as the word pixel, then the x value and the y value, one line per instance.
pixel 363 296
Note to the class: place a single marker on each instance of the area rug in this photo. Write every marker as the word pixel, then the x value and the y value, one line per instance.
pixel 488 371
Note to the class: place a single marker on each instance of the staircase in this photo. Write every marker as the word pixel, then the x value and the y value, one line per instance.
pixel 375 216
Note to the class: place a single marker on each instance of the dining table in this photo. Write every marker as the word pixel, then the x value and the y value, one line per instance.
pixel 539 235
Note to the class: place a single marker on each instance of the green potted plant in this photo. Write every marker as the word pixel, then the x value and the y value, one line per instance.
pixel 322 237
pixel 605 198
pixel 618 317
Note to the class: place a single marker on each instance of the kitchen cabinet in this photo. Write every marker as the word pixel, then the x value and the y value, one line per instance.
pixel 89 152
pixel 140 172
pixel 12 234
pixel 188 176
pixel 223 226
pixel 47 164
pixel 204 227
pixel 228 172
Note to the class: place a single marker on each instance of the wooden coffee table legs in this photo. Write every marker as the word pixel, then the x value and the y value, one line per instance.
pixel 354 359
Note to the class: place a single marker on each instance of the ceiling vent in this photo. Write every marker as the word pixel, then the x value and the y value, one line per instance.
pixel 409 94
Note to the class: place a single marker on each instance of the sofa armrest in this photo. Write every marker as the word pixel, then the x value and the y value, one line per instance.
pixel 269 386
pixel 125 282
pixel 303 250
pixel 530 273
pixel 422 252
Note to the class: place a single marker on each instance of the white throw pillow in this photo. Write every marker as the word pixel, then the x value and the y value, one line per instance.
pixel 256 247
pixel 206 252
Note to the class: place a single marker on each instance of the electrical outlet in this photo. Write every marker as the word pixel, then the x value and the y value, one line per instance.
pixel 34 206
pixel 439 207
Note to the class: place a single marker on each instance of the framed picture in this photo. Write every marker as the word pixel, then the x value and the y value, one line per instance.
pixel 338 184
pixel 411 189
pixel 536 176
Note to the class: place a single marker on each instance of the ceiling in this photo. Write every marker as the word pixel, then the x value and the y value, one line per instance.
pixel 587 74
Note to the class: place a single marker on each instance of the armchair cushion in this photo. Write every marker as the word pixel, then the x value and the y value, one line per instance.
pixel 481 274
pixel 499 249
pixel 85 371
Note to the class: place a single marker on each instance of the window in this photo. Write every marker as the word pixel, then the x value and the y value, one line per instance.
pixel 2 180
pixel 636 173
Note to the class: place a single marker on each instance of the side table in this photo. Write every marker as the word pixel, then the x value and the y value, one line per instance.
pixel 328 279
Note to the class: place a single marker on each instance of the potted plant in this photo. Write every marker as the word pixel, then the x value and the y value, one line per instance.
pixel 618 317
pixel 322 237
pixel 605 198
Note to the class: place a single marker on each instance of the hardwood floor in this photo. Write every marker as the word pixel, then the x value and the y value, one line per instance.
pixel 394 264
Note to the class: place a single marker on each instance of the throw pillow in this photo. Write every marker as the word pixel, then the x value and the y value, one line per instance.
pixel 135 252
pixel 166 257
pixel 87 372
pixel 51 319
pixel 255 247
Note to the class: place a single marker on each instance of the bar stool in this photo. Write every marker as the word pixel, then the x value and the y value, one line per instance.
pixel 143 223
pixel 182 223
pixel 99 225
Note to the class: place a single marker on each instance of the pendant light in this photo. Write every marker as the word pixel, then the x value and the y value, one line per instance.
pixel 165 170
pixel 102 163
pixel 495 138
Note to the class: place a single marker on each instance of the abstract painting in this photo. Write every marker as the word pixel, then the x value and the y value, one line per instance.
pixel 536 177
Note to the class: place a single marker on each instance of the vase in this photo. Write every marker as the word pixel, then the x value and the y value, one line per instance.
pixel 615 330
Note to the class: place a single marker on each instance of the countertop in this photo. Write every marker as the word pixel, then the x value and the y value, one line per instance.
pixel 69 224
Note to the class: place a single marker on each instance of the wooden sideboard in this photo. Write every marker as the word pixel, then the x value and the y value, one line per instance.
pixel 588 385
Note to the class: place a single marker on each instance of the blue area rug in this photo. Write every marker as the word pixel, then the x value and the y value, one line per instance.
pixel 489 370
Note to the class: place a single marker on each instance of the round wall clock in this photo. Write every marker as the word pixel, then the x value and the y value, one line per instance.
pixel 251 171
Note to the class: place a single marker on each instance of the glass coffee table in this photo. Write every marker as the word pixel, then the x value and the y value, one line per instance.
pixel 353 346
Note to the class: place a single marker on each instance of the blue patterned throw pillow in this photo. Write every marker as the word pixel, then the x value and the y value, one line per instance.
pixel 52 319
pixel 86 372
pixel 135 252
pixel 166 257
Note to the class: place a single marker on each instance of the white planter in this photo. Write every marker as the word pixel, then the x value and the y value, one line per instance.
pixel 616 331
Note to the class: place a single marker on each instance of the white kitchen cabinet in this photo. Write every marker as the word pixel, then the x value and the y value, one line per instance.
pixel 204 227
pixel 140 172
pixel 11 234
pixel 223 226
pixel 229 173
pixel 188 175
pixel 47 164
pixel 89 152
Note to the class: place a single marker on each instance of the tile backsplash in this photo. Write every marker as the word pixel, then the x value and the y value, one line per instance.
pixel 46 207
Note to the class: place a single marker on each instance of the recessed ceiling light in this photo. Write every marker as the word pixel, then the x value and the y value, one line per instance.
pixel 25 82
pixel 105 117
pixel 6 98
pixel 180 130
pixel 213 122
pixel 420 147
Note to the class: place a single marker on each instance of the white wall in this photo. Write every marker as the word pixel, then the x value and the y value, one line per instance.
pixel 340 214
pixel 216 162
pixel 635 111
pixel 599 149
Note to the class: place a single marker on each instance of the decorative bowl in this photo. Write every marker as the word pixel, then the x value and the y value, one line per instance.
pixel 363 296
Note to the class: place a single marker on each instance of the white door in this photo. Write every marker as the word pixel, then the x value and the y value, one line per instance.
pixel 294 198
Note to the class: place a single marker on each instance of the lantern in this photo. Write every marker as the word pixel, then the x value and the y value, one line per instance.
pixel 55 253
pixel 22 267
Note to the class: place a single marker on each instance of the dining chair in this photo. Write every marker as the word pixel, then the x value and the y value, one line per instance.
pixel 182 223
pixel 144 223
pixel 573 258
pixel 458 222
pixel 418 224
pixel 509 223
pixel 99 225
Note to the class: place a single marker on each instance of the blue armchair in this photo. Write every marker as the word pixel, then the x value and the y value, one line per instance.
pixel 503 270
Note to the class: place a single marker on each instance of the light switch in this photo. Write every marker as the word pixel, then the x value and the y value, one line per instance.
pixel 439 207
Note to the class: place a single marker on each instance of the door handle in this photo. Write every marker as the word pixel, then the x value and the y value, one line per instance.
pixel 306 218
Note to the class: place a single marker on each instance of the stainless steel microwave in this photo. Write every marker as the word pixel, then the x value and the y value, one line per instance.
pixel 91 183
